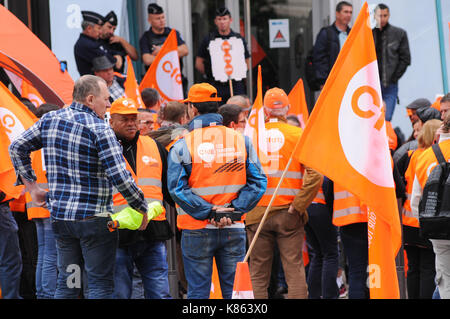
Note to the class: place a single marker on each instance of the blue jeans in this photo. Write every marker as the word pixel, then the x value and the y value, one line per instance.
pixel 85 243
pixel 46 268
pixel 10 256
pixel 354 240
pixel 390 97
pixel 321 236
pixel 151 261
pixel 199 247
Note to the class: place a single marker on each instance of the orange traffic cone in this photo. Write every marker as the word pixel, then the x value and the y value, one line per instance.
pixel 242 288
pixel 216 291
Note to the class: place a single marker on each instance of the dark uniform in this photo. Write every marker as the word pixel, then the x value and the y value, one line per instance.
pixel 223 88
pixel 87 48
pixel 113 48
pixel 150 39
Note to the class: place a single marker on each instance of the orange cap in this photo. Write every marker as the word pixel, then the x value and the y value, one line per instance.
pixel 202 92
pixel 123 106
pixel 276 98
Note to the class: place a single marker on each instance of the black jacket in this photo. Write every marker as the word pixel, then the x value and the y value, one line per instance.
pixel 393 53
pixel 325 51
pixel 156 230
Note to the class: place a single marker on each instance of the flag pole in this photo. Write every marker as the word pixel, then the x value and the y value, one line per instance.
pixel 261 223
pixel 230 82
pixel 400 259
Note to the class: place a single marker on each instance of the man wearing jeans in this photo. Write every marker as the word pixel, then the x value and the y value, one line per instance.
pixel 393 56
pixel 83 160
pixel 212 170
pixel 10 256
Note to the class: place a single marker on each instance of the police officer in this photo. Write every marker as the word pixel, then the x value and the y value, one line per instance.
pixel 87 46
pixel 115 43
pixel 153 39
pixel 223 22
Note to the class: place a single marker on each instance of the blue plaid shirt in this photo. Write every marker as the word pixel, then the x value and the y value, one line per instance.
pixel 83 161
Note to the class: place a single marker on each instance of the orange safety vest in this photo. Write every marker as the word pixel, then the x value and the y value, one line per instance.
pixel 407 217
pixel 18 205
pixel 428 161
pixel 218 169
pixel 281 140
pixel 147 177
pixel 32 210
pixel 320 197
pixel 347 208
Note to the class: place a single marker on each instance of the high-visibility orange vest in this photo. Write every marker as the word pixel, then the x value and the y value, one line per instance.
pixel 407 217
pixel 148 175
pixel 427 162
pixel 282 139
pixel 32 210
pixel 18 205
pixel 347 208
pixel 320 197
pixel 218 169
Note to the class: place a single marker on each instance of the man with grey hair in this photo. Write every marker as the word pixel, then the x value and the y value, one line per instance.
pixel 87 47
pixel 84 161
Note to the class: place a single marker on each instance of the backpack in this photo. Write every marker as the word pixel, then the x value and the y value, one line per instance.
pixel 310 72
pixel 434 206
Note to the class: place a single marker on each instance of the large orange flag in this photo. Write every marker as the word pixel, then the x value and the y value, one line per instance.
pixel 131 86
pixel 164 74
pixel 345 139
pixel 255 127
pixel 298 103
pixel 14 119
pixel 29 92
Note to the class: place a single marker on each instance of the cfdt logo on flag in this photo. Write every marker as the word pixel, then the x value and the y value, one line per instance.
pixel 168 75
pixel 361 111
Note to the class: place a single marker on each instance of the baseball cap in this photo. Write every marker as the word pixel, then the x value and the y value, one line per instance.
pixel 276 98
pixel 418 104
pixel 202 92
pixel 153 8
pixel 93 17
pixel 123 106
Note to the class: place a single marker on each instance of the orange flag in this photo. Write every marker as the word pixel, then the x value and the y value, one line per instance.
pixel 7 173
pixel 255 127
pixel 164 74
pixel 29 92
pixel 298 103
pixel 14 119
pixel 345 139
pixel 131 86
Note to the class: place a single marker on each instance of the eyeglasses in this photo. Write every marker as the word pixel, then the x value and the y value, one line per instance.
pixel 146 122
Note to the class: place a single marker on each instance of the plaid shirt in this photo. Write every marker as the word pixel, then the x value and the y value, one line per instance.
pixel 83 161
pixel 115 90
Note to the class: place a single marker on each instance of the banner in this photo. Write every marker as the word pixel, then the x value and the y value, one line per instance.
pixel 345 139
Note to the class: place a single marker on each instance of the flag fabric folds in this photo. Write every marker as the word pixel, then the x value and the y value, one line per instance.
pixel 298 103
pixel 255 127
pixel 164 74
pixel 345 139
pixel 15 118
pixel 131 85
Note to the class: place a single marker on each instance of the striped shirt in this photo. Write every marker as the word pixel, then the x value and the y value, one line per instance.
pixel 83 161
